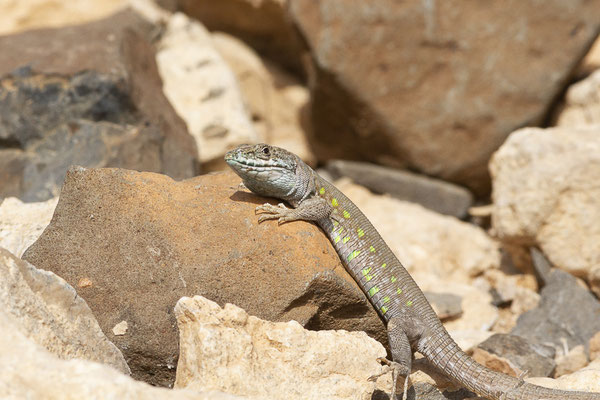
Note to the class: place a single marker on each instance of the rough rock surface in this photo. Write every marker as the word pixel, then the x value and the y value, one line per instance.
pixel 134 243
pixel 514 356
pixel 567 316
pixel 277 101
pixel 202 88
pixel 429 245
pixel 87 94
pixel 227 350
pixel 434 194
pixel 22 223
pixel 46 310
pixel 406 83
pixel 28 371
pixel 263 24
pixel 546 193
pixel 582 103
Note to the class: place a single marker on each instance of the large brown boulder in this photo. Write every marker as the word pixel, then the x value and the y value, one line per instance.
pixel 87 95
pixel 436 86
pixel 133 244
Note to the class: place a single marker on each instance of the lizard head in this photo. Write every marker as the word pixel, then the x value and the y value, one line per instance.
pixel 266 170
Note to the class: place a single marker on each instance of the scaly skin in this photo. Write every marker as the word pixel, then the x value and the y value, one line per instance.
pixel 411 322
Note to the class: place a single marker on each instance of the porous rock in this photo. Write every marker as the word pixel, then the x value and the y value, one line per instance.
pixel 46 310
pixel 403 83
pixel 90 95
pixel 546 194
pixel 22 223
pixel 581 103
pixel 202 88
pixel 28 371
pixel 276 100
pixel 227 350
pixel 141 241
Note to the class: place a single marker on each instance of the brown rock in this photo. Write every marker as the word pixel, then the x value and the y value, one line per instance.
pixel 263 24
pixel 90 95
pixel 573 361
pixel 145 241
pixel 404 83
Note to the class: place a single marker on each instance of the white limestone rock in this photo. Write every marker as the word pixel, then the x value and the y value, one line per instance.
pixel 546 193
pixel 227 350
pixel 48 311
pixel 586 379
pixel 202 88
pixel 28 371
pixel 22 223
pixel 582 103
pixel 276 99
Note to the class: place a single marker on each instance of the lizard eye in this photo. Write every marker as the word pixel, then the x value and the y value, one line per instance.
pixel 266 151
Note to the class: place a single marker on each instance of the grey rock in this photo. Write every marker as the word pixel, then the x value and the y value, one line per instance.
pixel 446 305
pixel 90 95
pixel 521 354
pixel 566 312
pixel 435 194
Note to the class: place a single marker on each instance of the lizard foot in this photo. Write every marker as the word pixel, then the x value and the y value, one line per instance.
pixel 397 370
pixel 279 212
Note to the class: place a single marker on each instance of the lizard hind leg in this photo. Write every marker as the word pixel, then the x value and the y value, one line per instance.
pixel 402 357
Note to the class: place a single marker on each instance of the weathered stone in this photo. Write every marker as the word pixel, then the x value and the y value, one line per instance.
pixel 202 89
pixel 513 355
pixel 45 309
pixel 585 380
pixel 263 24
pixel 22 223
pixel 142 241
pixel 573 361
pixel 403 83
pixel 277 101
pixel 28 371
pixel 434 194
pixel 595 346
pixel 581 104
pixel 546 194
pixel 432 247
pixel 87 94
pixel 227 350
pixel 568 315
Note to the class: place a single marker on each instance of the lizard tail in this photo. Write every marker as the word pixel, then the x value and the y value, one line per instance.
pixel 493 385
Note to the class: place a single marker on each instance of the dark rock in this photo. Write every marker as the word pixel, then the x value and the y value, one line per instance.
pixel 446 305
pixel 404 84
pixel 437 195
pixel 426 391
pixel 521 354
pixel 90 95
pixel 566 311
pixel 144 241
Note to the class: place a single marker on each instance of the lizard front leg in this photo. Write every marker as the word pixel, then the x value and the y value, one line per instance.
pixel 311 209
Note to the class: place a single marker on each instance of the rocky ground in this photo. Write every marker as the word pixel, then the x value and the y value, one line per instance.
pixel 132 265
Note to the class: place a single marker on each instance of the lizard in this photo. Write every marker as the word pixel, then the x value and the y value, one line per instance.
pixel 411 323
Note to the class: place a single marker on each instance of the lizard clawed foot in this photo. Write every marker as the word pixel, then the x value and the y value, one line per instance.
pixel 279 212
pixel 397 369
